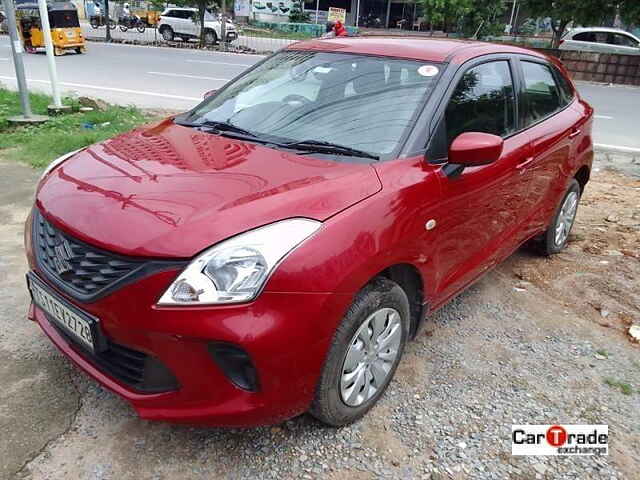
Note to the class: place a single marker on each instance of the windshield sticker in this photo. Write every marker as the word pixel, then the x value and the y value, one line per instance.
pixel 428 70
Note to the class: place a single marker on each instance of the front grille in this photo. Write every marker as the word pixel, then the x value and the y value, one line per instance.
pixel 85 272
pixel 142 372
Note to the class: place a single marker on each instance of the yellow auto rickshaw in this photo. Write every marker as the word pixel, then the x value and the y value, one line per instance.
pixel 63 20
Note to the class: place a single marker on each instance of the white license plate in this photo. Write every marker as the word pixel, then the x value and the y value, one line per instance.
pixel 70 34
pixel 72 323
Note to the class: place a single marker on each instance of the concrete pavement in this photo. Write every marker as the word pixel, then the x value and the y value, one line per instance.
pixel 173 78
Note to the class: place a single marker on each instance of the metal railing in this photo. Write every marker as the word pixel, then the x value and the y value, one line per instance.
pixel 250 39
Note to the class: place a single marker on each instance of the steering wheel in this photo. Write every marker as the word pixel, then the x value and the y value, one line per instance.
pixel 296 100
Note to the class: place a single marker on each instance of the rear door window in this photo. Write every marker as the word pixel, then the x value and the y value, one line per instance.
pixel 541 96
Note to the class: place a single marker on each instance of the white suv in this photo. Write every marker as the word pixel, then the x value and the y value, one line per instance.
pixel 184 23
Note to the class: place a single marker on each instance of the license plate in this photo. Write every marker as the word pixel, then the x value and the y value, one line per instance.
pixel 79 327
pixel 70 34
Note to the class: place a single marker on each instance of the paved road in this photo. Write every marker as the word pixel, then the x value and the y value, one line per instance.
pixel 156 77
pixel 150 77
pixel 617 122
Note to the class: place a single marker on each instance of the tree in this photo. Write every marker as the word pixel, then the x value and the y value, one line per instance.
pixel 630 12
pixel 563 12
pixel 446 13
pixel 484 18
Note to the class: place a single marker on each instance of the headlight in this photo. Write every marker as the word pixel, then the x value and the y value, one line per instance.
pixel 235 270
pixel 57 162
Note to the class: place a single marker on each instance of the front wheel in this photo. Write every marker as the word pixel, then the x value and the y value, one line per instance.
pixel 364 354
pixel 210 37
pixel 112 24
pixel 123 28
pixel 94 23
pixel 140 27
pixel 555 238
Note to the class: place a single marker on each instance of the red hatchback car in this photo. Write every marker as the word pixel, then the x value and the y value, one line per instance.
pixel 271 251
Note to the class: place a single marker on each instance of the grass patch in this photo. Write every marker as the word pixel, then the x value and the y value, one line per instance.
pixel 603 352
pixel 38 145
pixel 624 387
pixel 264 33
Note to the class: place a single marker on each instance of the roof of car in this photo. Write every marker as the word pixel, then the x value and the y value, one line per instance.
pixel 419 48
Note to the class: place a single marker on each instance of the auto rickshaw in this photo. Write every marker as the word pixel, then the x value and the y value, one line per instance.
pixel 65 27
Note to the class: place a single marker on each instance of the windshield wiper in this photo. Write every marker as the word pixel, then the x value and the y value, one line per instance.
pixel 322 146
pixel 225 127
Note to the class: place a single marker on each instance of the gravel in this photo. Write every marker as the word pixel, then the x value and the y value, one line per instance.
pixel 493 357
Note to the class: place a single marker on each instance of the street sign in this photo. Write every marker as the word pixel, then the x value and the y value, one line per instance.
pixel 337 14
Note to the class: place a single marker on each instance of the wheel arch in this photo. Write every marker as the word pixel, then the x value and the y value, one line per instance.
pixel 410 280
pixel 582 176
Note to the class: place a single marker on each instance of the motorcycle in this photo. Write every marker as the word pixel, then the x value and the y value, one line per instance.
pixel 97 21
pixel 132 21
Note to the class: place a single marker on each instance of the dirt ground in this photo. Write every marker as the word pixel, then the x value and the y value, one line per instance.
pixel 538 340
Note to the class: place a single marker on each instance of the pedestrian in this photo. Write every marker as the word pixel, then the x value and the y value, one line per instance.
pixel 335 29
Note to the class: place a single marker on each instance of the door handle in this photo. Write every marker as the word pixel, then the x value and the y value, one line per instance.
pixel 521 166
pixel 575 133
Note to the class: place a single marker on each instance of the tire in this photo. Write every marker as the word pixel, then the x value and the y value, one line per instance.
pixel 338 401
pixel 112 24
pixel 210 37
pixel 167 34
pixel 123 28
pixel 140 27
pixel 94 23
pixel 553 241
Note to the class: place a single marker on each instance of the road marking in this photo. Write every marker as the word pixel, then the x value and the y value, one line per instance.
pixel 617 147
pixel 243 65
pixel 110 89
pixel 188 76
pixel 603 117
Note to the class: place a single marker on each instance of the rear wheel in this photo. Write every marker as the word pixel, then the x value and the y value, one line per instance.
pixel 123 27
pixel 140 27
pixel 94 22
pixel 555 238
pixel 364 354
pixel 112 24
pixel 167 34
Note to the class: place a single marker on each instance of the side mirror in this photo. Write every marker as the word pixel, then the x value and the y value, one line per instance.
pixel 209 93
pixel 471 149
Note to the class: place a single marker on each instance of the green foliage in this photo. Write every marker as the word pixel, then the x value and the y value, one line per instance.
pixel 562 12
pixel 296 15
pixel 468 16
pixel 37 145
pixel 624 387
pixel 630 11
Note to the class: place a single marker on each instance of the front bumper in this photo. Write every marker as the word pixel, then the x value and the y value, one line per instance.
pixel 285 334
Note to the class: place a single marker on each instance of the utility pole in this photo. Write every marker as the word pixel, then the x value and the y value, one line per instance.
pixel 51 62
pixel 223 26
pixel 17 50
pixel 107 21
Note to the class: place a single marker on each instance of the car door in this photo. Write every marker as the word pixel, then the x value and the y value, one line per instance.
pixel 624 44
pixel 480 210
pixel 552 126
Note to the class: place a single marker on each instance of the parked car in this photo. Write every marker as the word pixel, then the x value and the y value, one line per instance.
pixel 271 251
pixel 601 40
pixel 185 23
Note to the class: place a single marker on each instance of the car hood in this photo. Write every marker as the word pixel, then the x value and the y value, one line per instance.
pixel 172 191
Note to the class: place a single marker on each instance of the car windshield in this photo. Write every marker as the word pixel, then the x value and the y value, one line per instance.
pixel 360 102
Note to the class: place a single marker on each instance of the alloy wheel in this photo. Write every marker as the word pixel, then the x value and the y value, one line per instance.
pixel 370 358
pixel 566 218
